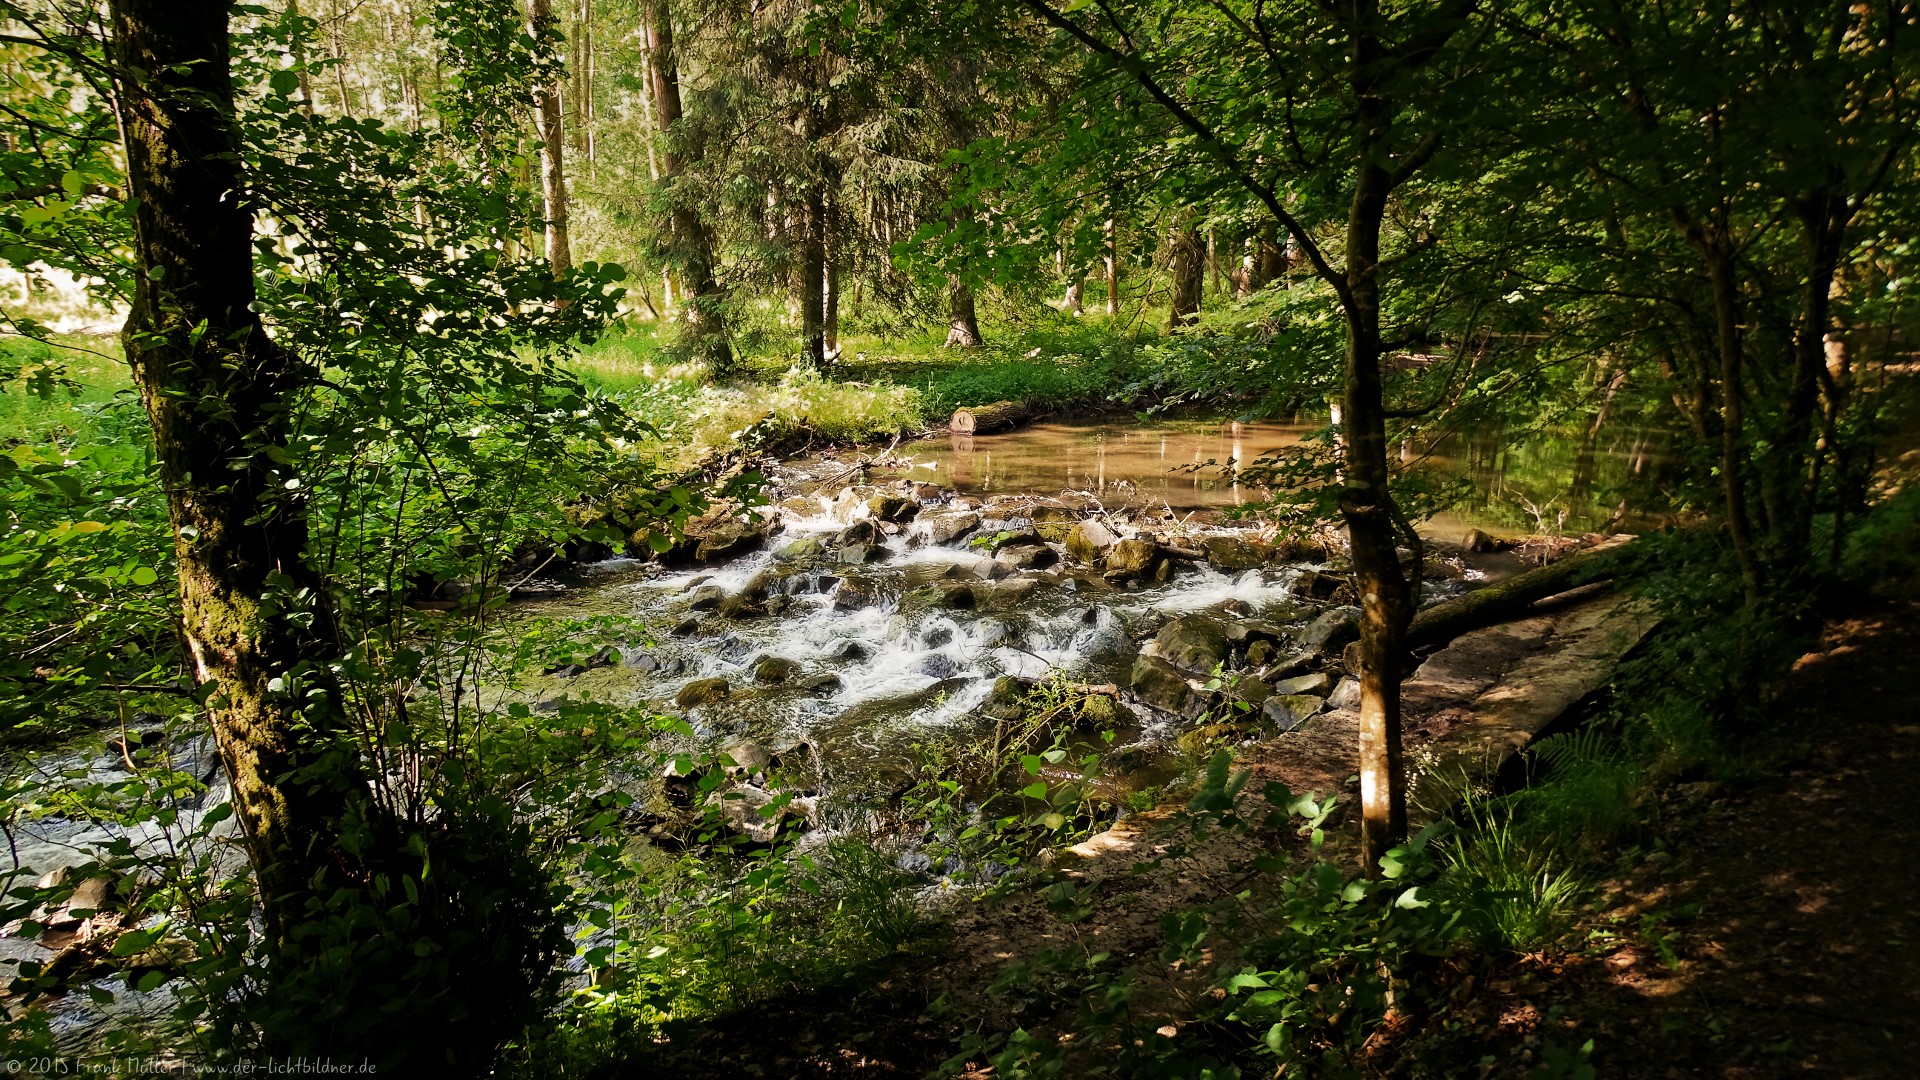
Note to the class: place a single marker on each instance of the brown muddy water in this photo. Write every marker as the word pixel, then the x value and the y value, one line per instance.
pixel 1538 486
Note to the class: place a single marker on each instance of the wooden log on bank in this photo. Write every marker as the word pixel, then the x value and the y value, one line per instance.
pixel 1512 598
pixel 1504 602
pixel 984 418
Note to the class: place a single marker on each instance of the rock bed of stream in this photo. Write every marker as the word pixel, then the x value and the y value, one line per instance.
pixel 863 621
pixel 839 630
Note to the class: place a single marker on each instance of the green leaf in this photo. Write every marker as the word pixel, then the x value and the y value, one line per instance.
pixel 144 575
pixel 1035 790
pixel 284 82
pixel 134 941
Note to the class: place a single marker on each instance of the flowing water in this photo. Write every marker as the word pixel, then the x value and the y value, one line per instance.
pixel 888 652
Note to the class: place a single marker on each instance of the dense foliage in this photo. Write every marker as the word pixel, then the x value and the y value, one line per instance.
pixel 539 276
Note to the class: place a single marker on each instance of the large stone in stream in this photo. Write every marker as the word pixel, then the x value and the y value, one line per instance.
pixel 847 649
pixel 1132 559
pixel 948 527
pixel 1318 683
pixel 864 532
pixel 1251 691
pixel 1335 625
pixel 939 666
pixel 1089 540
pixel 1320 585
pixel 1289 711
pixel 740 807
pixel 825 682
pixel 860 554
pixel 706 598
pixel 1163 686
pixel 852 595
pixel 701 692
pixel 1193 644
pixel 1235 553
pixel 1346 695
pixel 748 757
pixel 1013 593
pixel 800 550
pixel 1244 632
pixel 774 670
pixel 741 605
pixel 892 508
pixel 1027 556
pixel 957 597
pixel 1478 541
pixel 727 539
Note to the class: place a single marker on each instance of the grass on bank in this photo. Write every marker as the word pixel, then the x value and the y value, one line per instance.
pixel 878 389
pixel 93 401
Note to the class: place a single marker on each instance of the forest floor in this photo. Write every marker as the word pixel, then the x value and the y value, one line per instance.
pixel 1773 930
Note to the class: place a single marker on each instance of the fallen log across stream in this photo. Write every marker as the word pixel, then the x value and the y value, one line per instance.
pixel 1512 598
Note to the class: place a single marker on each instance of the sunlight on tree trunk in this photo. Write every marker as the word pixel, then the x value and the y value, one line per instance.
pixel 553 148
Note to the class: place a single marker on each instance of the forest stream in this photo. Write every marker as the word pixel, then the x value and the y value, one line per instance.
pixel 885 602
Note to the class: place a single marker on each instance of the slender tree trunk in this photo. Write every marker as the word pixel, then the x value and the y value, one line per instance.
pixel 1188 269
pixel 830 318
pixel 1386 600
pixel 216 390
pixel 811 275
pixel 551 125
pixel 1076 299
pixel 1112 265
pixel 705 327
pixel 1612 377
pixel 1795 474
pixel 963 326
pixel 577 89
pixel 1730 338
pixel 1269 258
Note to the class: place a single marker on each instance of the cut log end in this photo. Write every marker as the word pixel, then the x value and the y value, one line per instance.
pixel 984 418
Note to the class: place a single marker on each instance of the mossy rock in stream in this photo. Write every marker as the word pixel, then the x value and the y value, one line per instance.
pixel 1132 559
pixel 702 692
pixel 801 550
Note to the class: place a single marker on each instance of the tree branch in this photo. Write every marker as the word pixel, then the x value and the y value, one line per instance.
pixel 1133 65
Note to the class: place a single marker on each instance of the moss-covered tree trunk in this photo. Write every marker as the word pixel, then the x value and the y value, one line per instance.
pixel 1188 265
pixel 963 322
pixel 217 389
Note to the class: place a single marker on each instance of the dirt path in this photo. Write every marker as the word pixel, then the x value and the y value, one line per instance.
pixel 1778 932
